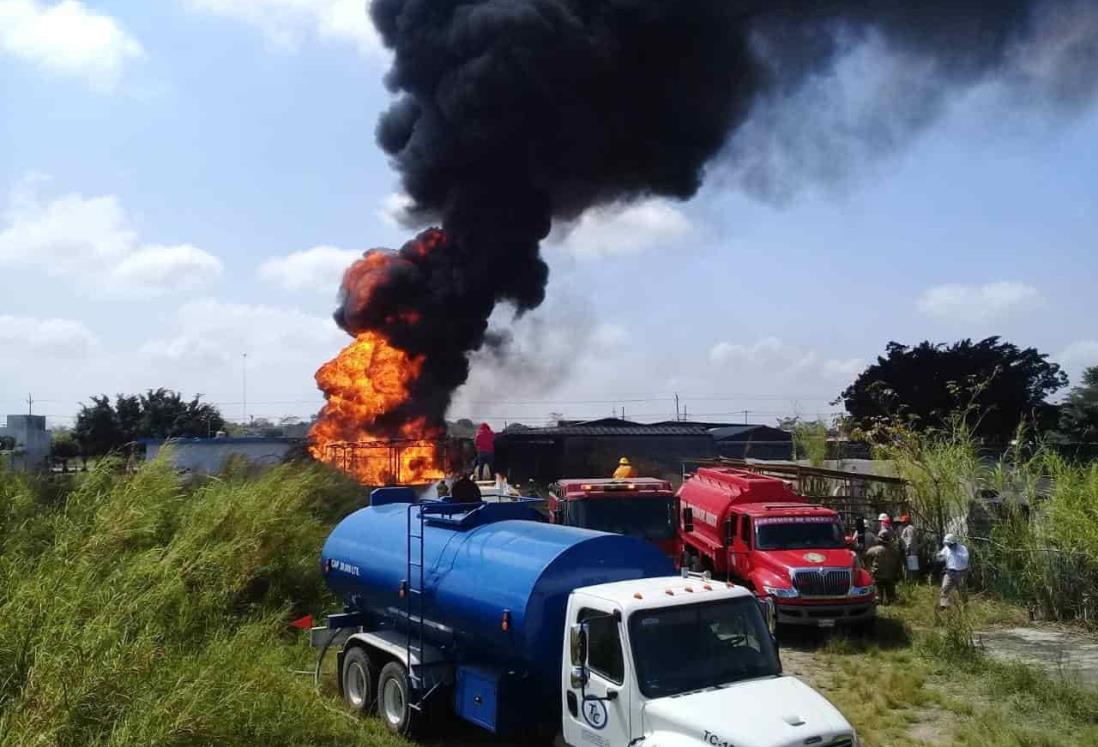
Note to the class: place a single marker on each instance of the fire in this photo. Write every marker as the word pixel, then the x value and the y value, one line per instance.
pixel 369 380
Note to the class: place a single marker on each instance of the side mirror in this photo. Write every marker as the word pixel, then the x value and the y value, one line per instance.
pixel 729 533
pixel 688 519
pixel 577 642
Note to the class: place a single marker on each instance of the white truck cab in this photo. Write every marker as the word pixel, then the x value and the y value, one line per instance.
pixel 678 661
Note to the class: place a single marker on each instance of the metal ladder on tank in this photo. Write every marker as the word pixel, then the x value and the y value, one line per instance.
pixel 413 597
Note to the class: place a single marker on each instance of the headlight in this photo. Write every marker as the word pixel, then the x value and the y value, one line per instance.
pixel 780 593
pixel 863 591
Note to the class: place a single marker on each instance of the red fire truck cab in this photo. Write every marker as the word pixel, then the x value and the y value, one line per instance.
pixel 641 507
pixel 756 531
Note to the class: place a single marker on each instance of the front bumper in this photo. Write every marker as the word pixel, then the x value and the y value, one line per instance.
pixel 826 615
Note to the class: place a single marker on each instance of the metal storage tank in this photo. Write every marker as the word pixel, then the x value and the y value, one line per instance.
pixel 477 567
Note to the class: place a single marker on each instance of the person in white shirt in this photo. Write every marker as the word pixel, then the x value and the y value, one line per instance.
pixel 955 556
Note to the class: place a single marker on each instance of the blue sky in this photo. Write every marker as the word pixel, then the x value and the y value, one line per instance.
pixel 182 181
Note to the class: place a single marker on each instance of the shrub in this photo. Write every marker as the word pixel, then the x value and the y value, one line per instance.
pixel 136 609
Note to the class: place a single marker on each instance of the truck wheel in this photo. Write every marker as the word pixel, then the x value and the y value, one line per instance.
pixel 394 702
pixel 357 679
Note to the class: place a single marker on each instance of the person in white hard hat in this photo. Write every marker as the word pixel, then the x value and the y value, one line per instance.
pixel 955 556
pixel 885 522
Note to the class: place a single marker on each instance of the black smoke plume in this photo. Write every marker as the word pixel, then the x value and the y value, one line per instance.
pixel 510 114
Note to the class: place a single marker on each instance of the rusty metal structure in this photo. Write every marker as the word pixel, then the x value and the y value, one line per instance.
pixel 399 462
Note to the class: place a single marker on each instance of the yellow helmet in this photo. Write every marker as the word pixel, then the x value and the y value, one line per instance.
pixel 624 461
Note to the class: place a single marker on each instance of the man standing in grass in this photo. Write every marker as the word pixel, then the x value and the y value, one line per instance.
pixel 909 538
pixel 884 561
pixel 955 556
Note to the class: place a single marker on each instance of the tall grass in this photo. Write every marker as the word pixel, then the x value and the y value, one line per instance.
pixel 1031 516
pixel 139 610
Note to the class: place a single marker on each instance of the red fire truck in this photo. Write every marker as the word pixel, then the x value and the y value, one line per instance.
pixel 755 530
pixel 641 507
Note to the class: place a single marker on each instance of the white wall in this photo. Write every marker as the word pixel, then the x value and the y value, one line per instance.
pixel 210 456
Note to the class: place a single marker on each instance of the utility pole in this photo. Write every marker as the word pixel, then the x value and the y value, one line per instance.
pixel 244 379
pixel 30 404
pixel 677 418
pixel 745 416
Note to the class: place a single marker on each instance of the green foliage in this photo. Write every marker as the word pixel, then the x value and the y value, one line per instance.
pixel 929 383
pixel 102 427
pixel 810 440
pixel 942 468
pixel 1079 414
pixel 136 610
pixel 1031 515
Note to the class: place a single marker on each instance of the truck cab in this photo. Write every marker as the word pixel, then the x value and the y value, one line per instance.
pixel 641 507
pixel 756 531
pixel 670 662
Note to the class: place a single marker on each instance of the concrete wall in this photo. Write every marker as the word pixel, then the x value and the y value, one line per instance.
pixel 208 456
pixel 32 442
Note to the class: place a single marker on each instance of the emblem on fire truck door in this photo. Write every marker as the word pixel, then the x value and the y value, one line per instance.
pixel 595 714
pixel 814 557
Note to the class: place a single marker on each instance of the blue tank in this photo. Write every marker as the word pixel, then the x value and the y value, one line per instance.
pixel 480 568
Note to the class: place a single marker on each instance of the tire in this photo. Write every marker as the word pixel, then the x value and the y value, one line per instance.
pixel 394 704
pixel 357 682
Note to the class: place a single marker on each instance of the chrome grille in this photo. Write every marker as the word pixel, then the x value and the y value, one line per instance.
pixel 822 582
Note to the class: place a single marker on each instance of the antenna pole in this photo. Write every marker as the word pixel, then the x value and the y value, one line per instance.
pixel 244 381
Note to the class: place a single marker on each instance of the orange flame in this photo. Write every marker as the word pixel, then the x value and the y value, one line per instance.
pixel 369 379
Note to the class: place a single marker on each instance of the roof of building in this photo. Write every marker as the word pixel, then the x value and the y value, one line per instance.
pixel 612 427
pixel 619 427
pixel 734 432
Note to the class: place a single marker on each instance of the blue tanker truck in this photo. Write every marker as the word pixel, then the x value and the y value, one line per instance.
pixel 540 631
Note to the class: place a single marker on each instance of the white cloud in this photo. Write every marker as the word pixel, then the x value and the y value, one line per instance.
pixel 783 360
pixel 1077 357
pixel 284 22
pixel 978 303
pixel 211 333
pixel 91 241
pixel 59 338
pixel 624 229
pixel 67 38
pixel 318 269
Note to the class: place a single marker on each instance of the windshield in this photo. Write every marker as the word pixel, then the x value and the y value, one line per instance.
pixel 823 533
pixel 679 649
pixel 634 516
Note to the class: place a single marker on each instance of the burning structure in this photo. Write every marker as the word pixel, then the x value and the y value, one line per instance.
pixel 512 115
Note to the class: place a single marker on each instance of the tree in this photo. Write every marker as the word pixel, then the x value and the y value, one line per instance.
pixel 97 429
pixel 159 413
pixel 996 384
pixel 1079 414
pixel 64 447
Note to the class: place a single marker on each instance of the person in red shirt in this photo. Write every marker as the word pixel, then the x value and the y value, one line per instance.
pixel 485 444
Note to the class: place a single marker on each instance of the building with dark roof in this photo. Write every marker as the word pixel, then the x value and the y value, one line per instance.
pixel 592 448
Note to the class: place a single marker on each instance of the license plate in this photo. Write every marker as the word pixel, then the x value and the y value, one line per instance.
pixel 827 623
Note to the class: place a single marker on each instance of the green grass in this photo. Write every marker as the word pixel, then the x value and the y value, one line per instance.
pixel 143 610
pixel 922 680
pixel 137 610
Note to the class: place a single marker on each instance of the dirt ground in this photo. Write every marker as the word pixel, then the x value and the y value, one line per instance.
pixel 1059 650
